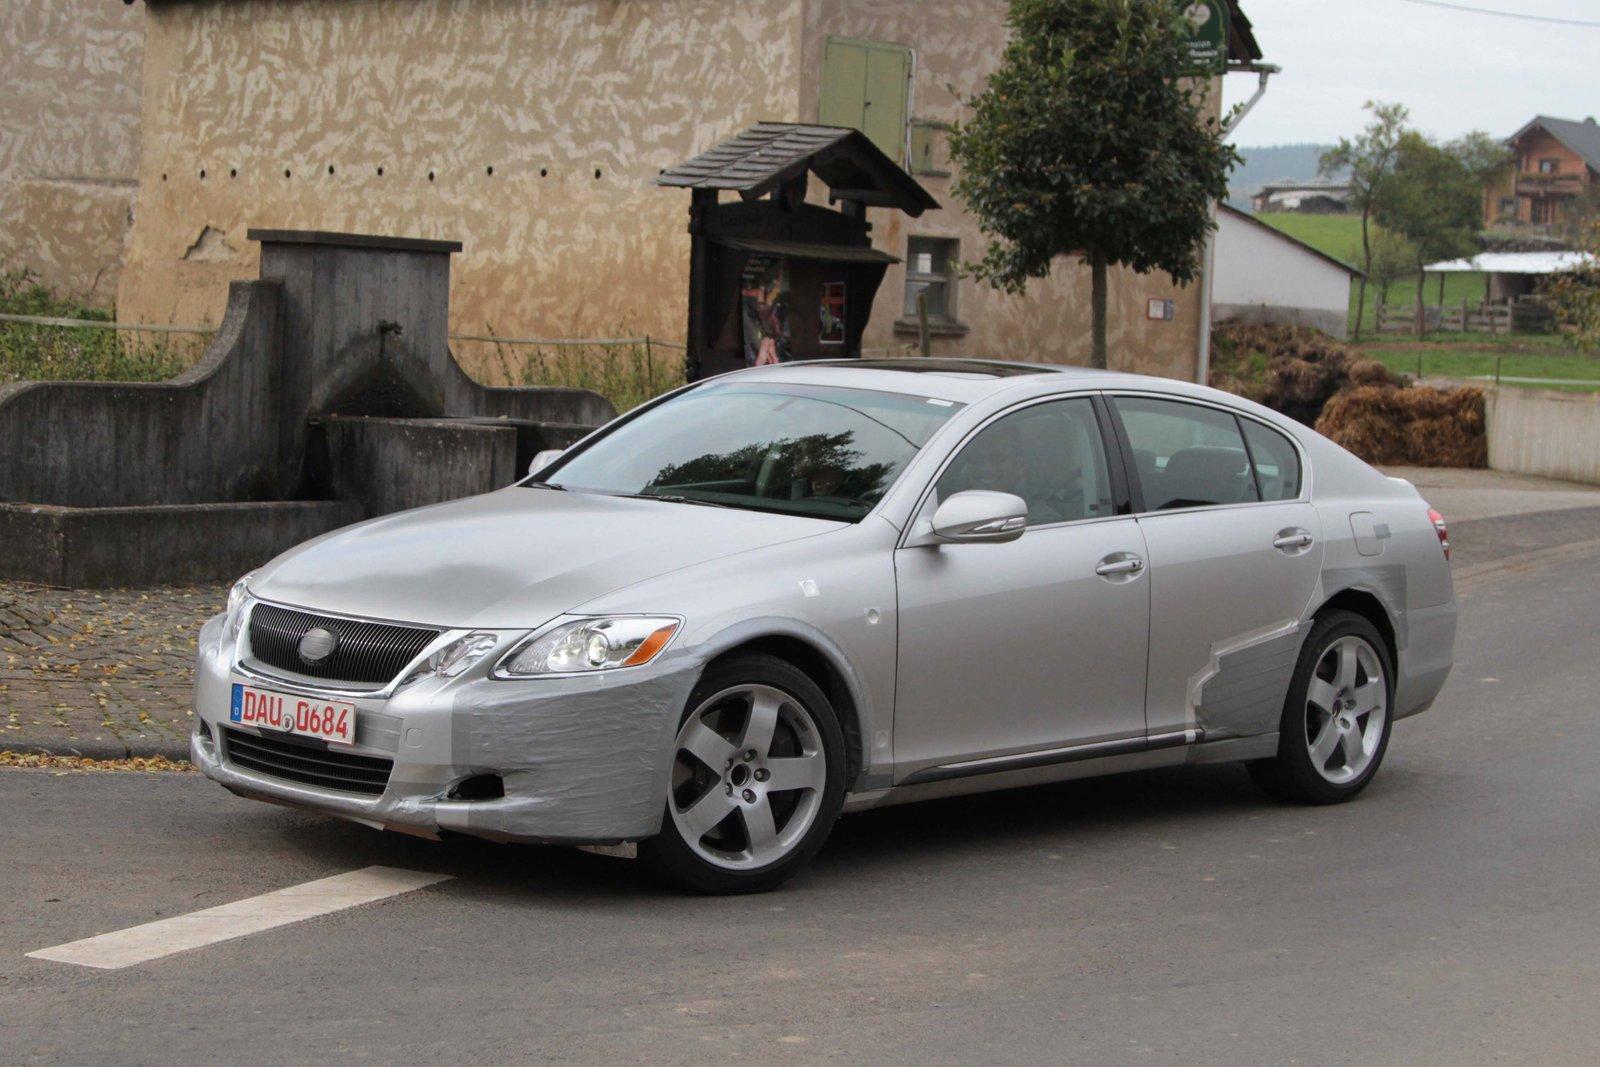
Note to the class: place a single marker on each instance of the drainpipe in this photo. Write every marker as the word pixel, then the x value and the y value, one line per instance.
pixel 1203 363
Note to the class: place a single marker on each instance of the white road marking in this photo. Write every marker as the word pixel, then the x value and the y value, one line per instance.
pixel 139 944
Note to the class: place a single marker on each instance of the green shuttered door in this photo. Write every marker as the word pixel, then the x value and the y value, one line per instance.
pixel 864 85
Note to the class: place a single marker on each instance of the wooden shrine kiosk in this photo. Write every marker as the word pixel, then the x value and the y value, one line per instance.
pixel 773 278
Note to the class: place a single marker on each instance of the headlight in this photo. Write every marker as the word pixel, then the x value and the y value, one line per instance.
pixel 590 645
pixel 455 658
pixel 238 598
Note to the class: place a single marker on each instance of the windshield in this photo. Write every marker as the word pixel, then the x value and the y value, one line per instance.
pixel 798 449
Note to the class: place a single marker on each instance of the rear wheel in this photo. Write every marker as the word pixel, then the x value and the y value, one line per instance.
pixel 757 779
pixel 1336 720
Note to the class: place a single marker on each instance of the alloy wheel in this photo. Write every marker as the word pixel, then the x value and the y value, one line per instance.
pixel 748 777
pixel 1347 704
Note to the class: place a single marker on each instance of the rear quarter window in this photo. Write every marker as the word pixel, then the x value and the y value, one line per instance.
pixel 1277 461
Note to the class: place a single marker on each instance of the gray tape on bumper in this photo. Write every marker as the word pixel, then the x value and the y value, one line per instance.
pixel 583 759
pixel 581 762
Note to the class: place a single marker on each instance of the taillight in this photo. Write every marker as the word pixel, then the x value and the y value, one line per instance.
pixel 1441 529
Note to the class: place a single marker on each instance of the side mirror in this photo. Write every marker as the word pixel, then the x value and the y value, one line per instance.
pixel 541 460
pixel 979 515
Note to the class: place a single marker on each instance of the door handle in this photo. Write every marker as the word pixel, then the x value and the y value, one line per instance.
pixel 1290 540
pixel 1114 566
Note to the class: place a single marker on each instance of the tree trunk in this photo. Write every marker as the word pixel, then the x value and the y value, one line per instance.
pixel 1366 266
pixel 1097 305
pixel 1422 318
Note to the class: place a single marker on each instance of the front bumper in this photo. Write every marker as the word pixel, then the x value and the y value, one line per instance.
pixel 585 760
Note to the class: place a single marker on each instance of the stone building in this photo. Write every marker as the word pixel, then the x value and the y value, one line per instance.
pixel 533 133
pixel 69 140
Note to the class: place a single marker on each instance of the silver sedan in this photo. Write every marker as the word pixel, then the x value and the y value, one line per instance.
pixel 717 623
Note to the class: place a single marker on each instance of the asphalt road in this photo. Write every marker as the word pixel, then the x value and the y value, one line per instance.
pixel 1452 913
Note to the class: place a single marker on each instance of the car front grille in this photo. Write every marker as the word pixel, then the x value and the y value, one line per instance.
pixel 368 653
pixel 308 764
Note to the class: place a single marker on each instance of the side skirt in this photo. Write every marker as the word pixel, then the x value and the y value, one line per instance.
pixel 1060 765
pixel 1023 761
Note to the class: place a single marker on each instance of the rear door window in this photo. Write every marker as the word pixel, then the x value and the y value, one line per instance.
pixel 1186 455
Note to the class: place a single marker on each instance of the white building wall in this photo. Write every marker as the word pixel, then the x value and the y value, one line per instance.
pixel 1263 276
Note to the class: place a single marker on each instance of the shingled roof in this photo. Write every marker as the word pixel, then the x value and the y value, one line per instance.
pixel 1582 137
pixel 1242 46
pixel 769 154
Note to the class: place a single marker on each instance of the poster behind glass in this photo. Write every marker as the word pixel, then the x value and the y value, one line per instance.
pixel 764 306
pixel 831 322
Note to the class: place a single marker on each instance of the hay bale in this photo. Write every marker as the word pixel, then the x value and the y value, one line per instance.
pixel 1413 427
pixel 1371 372
pixel 1292 369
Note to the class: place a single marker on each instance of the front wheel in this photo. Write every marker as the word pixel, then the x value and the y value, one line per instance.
pixel 757 779
pixel 1336 720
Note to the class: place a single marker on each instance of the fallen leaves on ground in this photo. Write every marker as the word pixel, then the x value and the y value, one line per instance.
pixel 35 761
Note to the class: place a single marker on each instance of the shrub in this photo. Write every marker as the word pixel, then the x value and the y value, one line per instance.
pixel 81 353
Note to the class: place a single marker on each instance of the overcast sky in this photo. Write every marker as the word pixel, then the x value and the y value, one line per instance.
pixel 1456 71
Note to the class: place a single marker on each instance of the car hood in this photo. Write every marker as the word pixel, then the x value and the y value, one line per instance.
pixel 512 559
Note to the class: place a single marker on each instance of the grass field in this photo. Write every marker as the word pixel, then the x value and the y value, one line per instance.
pixel 1443 355
pixel 1468 356
pixel 1340 237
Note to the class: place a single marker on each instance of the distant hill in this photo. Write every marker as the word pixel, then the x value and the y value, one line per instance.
pixel 1267 163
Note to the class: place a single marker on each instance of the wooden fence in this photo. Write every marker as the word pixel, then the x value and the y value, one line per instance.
pixel 1524 315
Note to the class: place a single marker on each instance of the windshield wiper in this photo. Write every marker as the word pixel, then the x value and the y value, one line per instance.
pixel 673 498
pixel 546 485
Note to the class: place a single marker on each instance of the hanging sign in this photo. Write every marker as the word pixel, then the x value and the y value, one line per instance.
pixel 1206 24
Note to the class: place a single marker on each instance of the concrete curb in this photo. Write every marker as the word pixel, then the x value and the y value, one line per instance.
pixel 108 749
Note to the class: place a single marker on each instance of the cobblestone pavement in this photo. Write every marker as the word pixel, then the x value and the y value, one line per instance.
pixel 104 673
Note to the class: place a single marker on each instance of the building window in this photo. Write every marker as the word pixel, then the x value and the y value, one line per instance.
pixel 865 85
pixel 1549 166
pixel 930 148
pixel 1508 207
pixel 930 272
pixel 1544 211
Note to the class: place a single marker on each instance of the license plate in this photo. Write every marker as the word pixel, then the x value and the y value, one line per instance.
pixel 286 713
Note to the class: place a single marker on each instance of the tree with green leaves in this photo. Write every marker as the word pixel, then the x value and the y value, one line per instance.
pixel 1574 294
pixel 1391 257
pixel 1089 141
pixel 1433 199
pixel 1486 157
pixel 1369 158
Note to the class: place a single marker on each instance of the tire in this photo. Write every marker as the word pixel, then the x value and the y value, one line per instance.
pixel 1317 767
pixel 728 825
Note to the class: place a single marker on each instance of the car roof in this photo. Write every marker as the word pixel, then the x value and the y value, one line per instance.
pixel 963 380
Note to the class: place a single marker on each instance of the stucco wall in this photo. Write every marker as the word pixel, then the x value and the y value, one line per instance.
pixel 69 139
pixel 1262 276
pixel 957 44
pixel 548 94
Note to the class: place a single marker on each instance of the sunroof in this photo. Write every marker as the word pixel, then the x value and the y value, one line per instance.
pixel 974 367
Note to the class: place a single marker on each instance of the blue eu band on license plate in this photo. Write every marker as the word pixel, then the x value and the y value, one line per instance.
pixel 295 714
